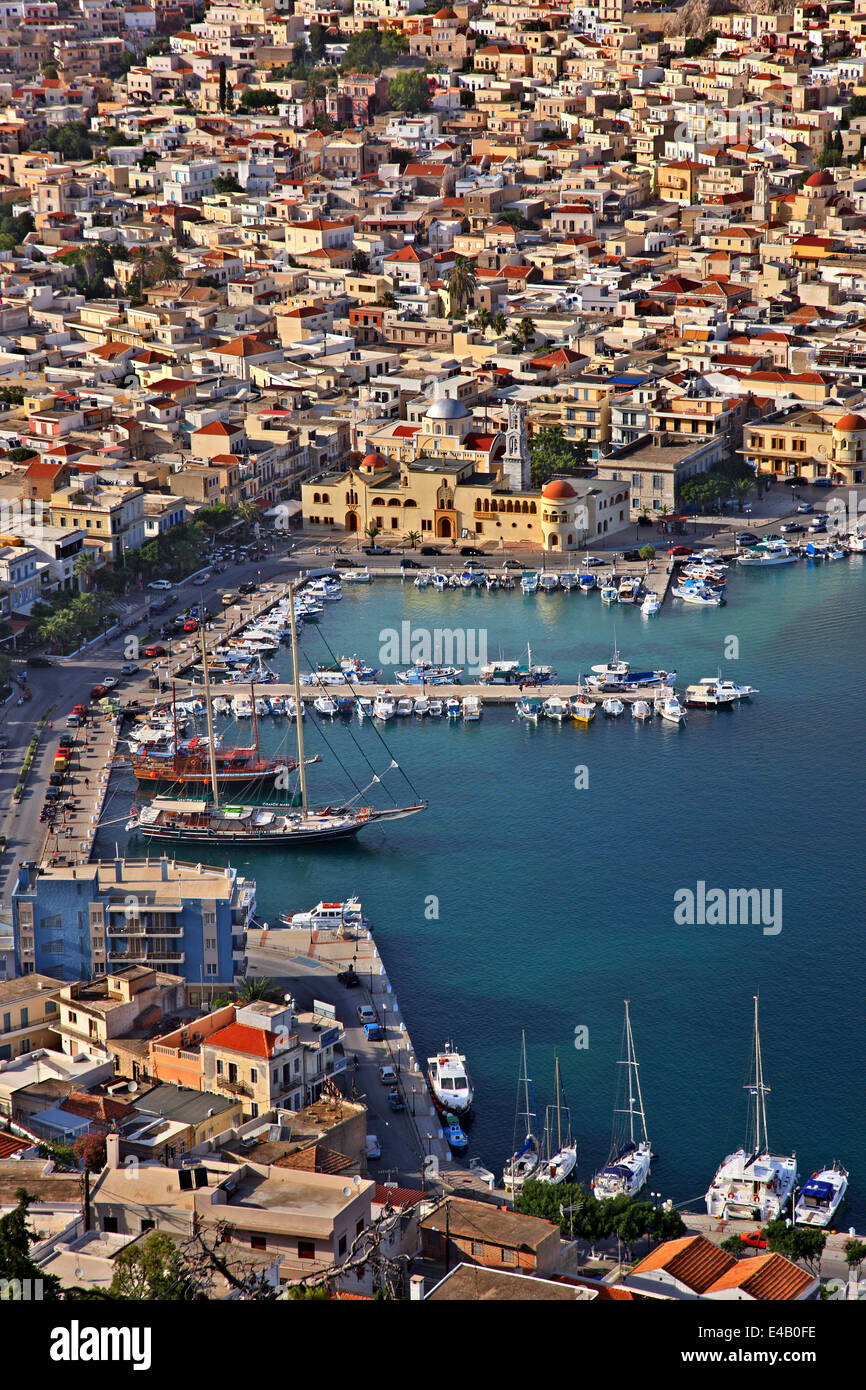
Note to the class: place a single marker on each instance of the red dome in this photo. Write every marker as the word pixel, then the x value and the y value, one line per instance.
pixel 849 423
pixel 375 460
pixel 558 491
pixel 820 179
pixel 445 14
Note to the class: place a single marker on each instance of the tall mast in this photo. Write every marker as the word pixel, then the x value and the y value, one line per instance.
pixel 558 1113
pixel 634 1092
pixel 299 708
pixel 174 717
pixel 208 712
pixel 761 1142
pixel 255 718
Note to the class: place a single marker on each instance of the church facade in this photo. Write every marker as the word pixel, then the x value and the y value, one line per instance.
pixel 445 481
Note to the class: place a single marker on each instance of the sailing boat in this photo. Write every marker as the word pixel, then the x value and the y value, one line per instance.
pixel 559 1165
pixel 188 762
pixel 753 1183
pixel 524 1160
pixel 207 822
pixel 628 1166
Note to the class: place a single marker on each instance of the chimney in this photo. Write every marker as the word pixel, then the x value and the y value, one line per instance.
pixel 112 1151
pixel 416 1288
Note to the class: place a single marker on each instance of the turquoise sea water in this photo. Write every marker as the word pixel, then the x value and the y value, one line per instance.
pixel 557 903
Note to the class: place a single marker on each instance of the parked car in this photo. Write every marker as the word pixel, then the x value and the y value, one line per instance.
pixel 109 682
pixel 39 661
pixel 191 625
pixel 679 550
pixel 756 1239
pixel 631 554
pixel 366 1014
pixel 154 649
pixel 349 979
pixel 819 524
pixel 159 584
pixel 396 1101
pixel 201 579
pixel 804 506
pixel 431 550
pixel 746 538
pixel 373 1147
pixel 228 598
pixel 73 721
pixel 248 587
pixel 97 691
pixel 377 550
pixel 341 564
pixel 513 565
pixel 471 550
pixel 128 668
pixel 406 564
pixel 387 1075
pixel 791 527
pixel 373 1032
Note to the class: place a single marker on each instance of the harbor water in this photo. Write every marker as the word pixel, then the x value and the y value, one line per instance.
pixel 540 887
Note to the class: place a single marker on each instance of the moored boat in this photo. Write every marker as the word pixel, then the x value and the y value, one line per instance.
pixel 449 1081
pixel 821 1196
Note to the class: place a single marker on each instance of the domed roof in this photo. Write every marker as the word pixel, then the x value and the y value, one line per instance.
pixel 375 460
pixel 444 14
pixel 447 408
pixel 820 179
pixel 558 491
pixel 848 424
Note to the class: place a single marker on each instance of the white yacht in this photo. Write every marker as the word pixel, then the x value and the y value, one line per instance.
pixel 767 552
pixel 384 706
pixel 559 1147
pixel 449 1081
pixel 628 1166
pixel 524 1161
pixel 709 694
pixel 650 605
pixel 329 917
pixel 753 1184
pixel 739 692
pixel 821 1197
pixel 361 576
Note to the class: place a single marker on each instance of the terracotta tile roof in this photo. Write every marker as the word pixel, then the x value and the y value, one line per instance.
pixel 10 1145
pixel 693 1261
pixel 255 1042
pixel 769 1278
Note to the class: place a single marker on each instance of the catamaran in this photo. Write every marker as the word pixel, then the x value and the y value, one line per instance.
pixel 254 826
pixel 525 1159
pixel 628 1166
pixel 752 1183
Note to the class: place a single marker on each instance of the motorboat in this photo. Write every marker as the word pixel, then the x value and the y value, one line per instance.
pixel 360 576
pixel 582 710
pixel 491 582
pixel 641 710
pixel 766 553
pixel 425 673
pixel 548 583
pixel 506 581
pixel 364 707
pixel 422 580
pixel 405 706
pixel 449 1081
pixel 529 582
pixel 739 692
pixel 439 581
pixel 453 708
pixel 421 706
pixel 586 583
pixel 455 1137
pixel 292 708
pixel 454 581
pixel 821 1197
pixel 629 589
pixel 472 708
pixel 242 707
pixel 568 580
pixel 651 605
pixel 699 594
pixel 384 706
pixel 329 917
pixel 628 1165
pixel 345 706
pixel 669 707
pixel 556 708
pixel 612 707
pixel 324 705
pixel 467 579
pixel 856 542
pixel 609 593
pixel 710 694
pixel 753 1184
pixel 434 709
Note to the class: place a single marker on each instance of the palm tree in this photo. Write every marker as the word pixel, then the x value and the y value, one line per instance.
pixel 143 259
pixel 526 329
pixel 372 530
pixel 83 567
pixel 260 987
pixel 412 538
pixel 461 285
pixel 166 265
pixel 498 324
pixel 482 319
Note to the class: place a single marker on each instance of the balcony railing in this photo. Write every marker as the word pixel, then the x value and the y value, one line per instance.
pixel 234 1088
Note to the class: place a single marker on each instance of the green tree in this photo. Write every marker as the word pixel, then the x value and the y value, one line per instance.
pixel 372 531
pixel 855 1250
pixel 498 323
pixel 552 454
pixel 734 1246
pixel 317 42
pixel 255 98
pixel 412 538
pixel 647 552
pixel 226 183
pixel 221 99
pixel 461 284
pixel 409 92
pixel 166 265
pixel 16 1237
pixel 69 141
pixel 253 987
pixel 360 262
pixel 154 1269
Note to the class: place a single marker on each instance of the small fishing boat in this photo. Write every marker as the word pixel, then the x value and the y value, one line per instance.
pixel 609 593
pixel 491 582
pixel 612 707
pixel 361 576
pixel 821 1196
pixel 449 1081
pixel 582 710
pixel 452 708
pixel 422 580
pixel 364 707
pixel 242 707
pixel 384 706
pixel 454 581
pixel 421 706
pixel 628 590
pixel 650 605
pixel 739 692
pixel 699 594
pixel 345 706
pixel 328 917
pixel 641 710
pixel 556 708
pixel 529 709
pixel 586 583
pixel 669 707
pixel 324 705
pixel 709 694
pixel 455 1137
pixel 529 582
pixel 568 580
pixel 292 708
pixel 467 579
pixel 770 551
pixel 405 706
pixel 548 583
pixel 506 581
pixel 439 581
pixel 434 709
pixel 472 708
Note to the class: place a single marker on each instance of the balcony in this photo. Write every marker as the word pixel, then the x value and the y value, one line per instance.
pixel 234 1088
